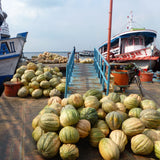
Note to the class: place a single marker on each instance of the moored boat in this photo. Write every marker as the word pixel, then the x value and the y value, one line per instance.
pixel 11 49
pixel 136 45
pixel 87 53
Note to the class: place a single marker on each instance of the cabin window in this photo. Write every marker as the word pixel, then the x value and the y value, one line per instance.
pixel 141 40
pixel 130 41
pixel 126 43
pixel 136 41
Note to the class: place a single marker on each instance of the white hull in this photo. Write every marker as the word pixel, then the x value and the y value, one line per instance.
pixel 8 66
pixel 86 53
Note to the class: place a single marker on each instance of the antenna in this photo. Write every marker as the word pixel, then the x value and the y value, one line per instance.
pixel 130 20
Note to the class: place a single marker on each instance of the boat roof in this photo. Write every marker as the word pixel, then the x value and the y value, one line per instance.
pixel 148 34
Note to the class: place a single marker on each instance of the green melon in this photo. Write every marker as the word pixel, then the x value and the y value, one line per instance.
pixel 132 126
pixel 157 149
pixel 108 149
pixel 109 106
pixel 54 92
pixel 44 84
pixel 92 101
pixel 49 122
pixel 38 72
pixel 20 70
pixel 54 82
pixel 40 78
pixel 29 75
pixel 37 133
pixel 76 100
pixel 114 97
pixel 135 112
pixel 150 118
pixel 69 152
pixel 141 144
pixel 69 117
pixel 46 92
pixel 89 114
pixel 114 120
pixel 34 85
pixel 48 75
pixel 31 66
pixel 37 93
pixel 102 125
pixel 69 134
pixel 48 144
pixel 23 92
pixel 61 87
pixel 95 136
pixel 131 102
pixel 93 92
pixel 148 104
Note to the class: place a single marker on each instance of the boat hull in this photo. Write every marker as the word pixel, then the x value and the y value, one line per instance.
pixel 11 51
pixel 144 58
pixel 8 67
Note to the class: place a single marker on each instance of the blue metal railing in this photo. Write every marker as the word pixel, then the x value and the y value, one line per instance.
pixel 102 67
pixel 69 69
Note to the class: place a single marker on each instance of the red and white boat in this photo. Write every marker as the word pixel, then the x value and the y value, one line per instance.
pixel 137 45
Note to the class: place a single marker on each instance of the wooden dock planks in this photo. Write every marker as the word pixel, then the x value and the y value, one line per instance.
pixel 16 115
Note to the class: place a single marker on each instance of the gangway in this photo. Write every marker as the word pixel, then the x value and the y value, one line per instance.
pixel 81 77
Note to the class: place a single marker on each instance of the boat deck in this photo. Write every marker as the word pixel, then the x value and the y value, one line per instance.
pixel 16 115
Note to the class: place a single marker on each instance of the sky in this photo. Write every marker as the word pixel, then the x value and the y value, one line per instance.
pixel 59 25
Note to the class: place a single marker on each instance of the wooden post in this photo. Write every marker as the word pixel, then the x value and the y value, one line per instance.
pixel 109 31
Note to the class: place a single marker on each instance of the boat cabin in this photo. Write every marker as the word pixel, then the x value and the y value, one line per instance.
pixel 130 41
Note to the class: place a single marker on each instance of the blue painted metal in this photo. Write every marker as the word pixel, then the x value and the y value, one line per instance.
pixel 69 69
pixel 23 35
pixel 100 65
pixel 10 56
pixel 5 78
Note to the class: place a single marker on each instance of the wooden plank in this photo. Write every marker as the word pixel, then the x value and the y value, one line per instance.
pixel 16 115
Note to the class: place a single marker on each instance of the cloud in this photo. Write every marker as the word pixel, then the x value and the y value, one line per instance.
pixel 45 3
pixel 61 24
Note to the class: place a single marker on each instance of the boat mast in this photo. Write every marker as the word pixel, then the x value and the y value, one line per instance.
pixel 109 31
pixel 130 21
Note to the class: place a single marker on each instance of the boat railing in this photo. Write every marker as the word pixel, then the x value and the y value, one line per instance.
pixel 4 29
pixel 103 69
pixel 69 69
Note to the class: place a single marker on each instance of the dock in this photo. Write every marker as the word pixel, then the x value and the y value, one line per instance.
pixel 16 115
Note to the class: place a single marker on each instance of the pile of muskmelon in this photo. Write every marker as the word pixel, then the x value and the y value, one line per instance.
pixel 52 58
pixel 87 60
pixel 109 123
pixel 39 80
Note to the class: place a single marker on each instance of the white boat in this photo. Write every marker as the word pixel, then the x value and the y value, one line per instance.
pixel 137 45
pixel 11 49
pixel 86 53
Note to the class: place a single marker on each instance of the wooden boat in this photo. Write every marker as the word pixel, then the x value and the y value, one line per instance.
pixel 136 45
